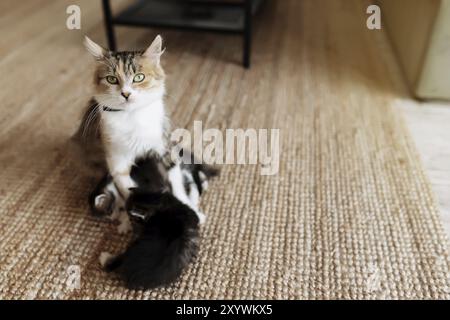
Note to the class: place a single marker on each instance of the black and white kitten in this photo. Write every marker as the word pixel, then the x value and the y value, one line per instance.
pixel 106 200
pixel 166 231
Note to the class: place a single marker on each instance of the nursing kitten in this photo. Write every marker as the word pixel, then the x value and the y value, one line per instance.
pixel 126 119
pixel 167 236
pixel 106 200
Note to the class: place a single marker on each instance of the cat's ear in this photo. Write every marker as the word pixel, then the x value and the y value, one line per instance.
pixel 97 51
pixel 154 51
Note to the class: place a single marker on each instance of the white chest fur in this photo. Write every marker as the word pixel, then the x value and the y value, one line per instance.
pixel 130 134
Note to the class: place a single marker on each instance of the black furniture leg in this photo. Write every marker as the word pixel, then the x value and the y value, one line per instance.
pixel 109 25
pixel 247 33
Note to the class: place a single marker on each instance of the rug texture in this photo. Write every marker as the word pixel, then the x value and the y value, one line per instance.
pixel 350 213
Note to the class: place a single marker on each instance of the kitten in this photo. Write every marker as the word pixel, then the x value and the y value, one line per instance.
pixel 105 200
pixel 166 231
pixel 127 119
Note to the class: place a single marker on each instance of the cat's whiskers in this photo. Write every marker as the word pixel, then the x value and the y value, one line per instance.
pixel 106 101
pixel 90 118
pixel 97 112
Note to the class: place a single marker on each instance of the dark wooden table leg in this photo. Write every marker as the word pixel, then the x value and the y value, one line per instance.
pixel 109 25
pixel 247 33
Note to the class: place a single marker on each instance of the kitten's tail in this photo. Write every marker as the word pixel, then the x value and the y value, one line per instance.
pixel 201 172
pixel 208 170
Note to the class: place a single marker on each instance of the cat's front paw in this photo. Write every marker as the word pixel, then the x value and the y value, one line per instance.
pixel 105 258
pixel 103 204
pixel 125 225
pixel 201 217
pixel 203 181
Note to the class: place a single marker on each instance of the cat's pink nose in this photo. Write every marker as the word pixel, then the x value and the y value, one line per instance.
pixel 125 94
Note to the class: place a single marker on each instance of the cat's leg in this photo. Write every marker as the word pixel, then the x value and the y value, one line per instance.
pixel 203 180
pixel 176 180
pixel 102 199
pixel 108 201
pixel 125 225
pixel 110 262
pixel 115 203
pixel 191 188
pixel 120 214
pixel 194 195
pixel 201 172
pixel 119 205
pixel 105 258
pixel 124 184
pixel 120 168
pixel 206 172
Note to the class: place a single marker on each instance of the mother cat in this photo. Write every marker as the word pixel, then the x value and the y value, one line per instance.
pixel 125 120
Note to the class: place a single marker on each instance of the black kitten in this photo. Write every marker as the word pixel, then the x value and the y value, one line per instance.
pixel 167 231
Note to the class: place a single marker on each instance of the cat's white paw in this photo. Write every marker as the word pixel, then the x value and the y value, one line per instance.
pixel 204 180
pixel 104 258
pixel 124 227
pixel 125 224
pixel 201 217
pixel 104 203
pixel 100 201
pixel 117 214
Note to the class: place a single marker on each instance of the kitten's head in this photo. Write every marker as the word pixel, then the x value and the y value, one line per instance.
pixel 129 79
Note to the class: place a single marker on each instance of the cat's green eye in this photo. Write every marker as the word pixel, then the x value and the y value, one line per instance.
pixel 139 77
pixel 112 80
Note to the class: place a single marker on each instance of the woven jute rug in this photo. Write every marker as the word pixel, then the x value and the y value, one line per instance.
pixel 350 214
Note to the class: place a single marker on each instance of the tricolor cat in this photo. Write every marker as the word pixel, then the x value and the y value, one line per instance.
pixel 126 120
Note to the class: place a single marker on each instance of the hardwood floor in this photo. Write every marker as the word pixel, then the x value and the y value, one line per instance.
pixel 429 124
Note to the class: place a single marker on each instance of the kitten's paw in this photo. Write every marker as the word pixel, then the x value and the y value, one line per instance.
pixel 125 225
pixel 116 214
pixel 204 180
pixel 124 228
pixel 101 201
pixel 201 217
pixel 105 258
pixel 103 204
